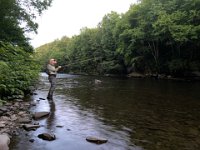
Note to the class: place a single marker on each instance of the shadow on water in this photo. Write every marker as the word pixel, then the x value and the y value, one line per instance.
pixel 133 114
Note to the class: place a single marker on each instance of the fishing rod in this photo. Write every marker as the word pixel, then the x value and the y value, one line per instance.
pixel 81 61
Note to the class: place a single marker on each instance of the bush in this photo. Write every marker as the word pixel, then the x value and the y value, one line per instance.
pixel 177 67
pixel 18 71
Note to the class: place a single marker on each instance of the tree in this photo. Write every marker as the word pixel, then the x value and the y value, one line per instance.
pixel 17 18
pixel 18 69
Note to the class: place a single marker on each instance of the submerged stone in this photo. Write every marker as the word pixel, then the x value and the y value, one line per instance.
pixel 59 126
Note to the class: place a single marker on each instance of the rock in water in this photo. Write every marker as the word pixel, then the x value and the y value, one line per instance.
pixel 47 136
pixel 29 127
pixel 39 115
pixel 97 81
pixel 31 140
pixel 96 140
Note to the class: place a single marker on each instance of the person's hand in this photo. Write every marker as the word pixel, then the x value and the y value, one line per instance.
pixel 59 67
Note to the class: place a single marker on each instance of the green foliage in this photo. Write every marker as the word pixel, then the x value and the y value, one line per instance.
pixel 18 71
pixel 177 66
pixel 153 36
pixel 2 102
pixel 57 50
pixel 17 17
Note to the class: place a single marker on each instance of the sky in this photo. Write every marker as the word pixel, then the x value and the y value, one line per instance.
pixel 67 17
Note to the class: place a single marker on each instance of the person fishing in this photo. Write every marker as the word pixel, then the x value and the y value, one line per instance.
pixel 52 72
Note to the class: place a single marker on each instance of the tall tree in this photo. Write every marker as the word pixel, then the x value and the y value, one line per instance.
pixel 17 18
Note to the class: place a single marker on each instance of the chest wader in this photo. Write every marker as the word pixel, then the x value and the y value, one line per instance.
pixel 52 80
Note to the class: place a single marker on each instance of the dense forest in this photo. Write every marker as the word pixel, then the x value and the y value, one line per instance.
pixel 18 69
pixel 153 37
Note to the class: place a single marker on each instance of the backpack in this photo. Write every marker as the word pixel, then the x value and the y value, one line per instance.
pixel 46 71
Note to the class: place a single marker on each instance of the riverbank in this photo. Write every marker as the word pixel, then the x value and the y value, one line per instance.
pixel 13 115
pixel 195 76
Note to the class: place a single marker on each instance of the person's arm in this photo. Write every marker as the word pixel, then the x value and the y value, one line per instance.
pixel 58 68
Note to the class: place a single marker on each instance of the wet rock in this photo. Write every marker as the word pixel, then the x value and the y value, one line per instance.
pixel 4 141
pixel 33 104
pixel 13 117
pixel 12 108
pixel 27 105
pixel 3 109
pixel 29 127
pixel 21 113
pixel 39 115
pixel 97 81
pixel 47 136
pixel 5 130
pixel 59 126
pixel 36 123
pixel 24 120
pixel 16 105
pixel 96 140
pixel 42 98
pixel 8 114
pixel 31 140
pixel 5 118
pixel 2 124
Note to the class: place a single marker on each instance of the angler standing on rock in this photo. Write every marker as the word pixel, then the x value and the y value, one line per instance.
pixel 52 72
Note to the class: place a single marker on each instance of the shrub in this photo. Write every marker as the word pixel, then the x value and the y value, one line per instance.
pixel 18 71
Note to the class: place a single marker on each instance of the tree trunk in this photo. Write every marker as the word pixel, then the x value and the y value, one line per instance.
pixel 155 53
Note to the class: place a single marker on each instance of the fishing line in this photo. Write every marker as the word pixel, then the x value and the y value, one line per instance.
pixel 81 61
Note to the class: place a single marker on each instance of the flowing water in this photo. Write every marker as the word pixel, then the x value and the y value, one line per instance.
pixel 133 114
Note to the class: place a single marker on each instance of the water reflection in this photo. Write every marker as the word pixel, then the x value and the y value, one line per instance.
pixel 51 118
pixel 156 114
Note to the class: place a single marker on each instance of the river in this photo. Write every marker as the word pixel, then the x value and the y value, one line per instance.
pixel 133 114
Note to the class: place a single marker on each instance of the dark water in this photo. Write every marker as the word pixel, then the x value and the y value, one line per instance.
pixel 133 114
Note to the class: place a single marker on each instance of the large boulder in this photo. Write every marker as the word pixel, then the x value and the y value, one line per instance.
pixel 4 141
